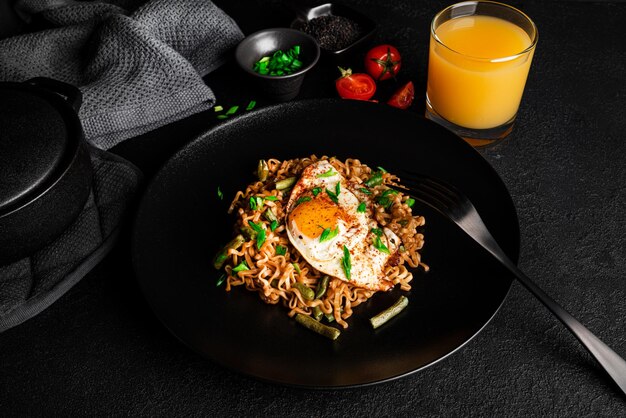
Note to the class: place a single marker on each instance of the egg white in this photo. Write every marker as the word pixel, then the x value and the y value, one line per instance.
pixel 354 232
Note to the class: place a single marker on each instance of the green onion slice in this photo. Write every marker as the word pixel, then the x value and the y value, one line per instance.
pixel 302 200
pixel 241 267
pixel 362 207
pixel 328 234
pixel 220 280
pixel 410 202
pixel 329 173
pixel 375 180
pixel 220 195
pixel 346 263
pixel 280 250
pixel 316 191
pixel 364 190
pixel 378 244
pixel 273 225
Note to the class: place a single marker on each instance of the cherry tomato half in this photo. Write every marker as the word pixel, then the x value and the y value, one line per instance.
pixel 403 98
pixel 355 86
pixel 383 62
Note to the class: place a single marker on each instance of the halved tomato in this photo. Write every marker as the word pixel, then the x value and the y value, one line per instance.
pixel 355 86
pixel 403 97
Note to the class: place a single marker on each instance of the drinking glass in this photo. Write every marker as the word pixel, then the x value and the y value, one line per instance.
pixel 480 54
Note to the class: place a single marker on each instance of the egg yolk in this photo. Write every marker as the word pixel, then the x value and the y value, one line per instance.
pixel 314 216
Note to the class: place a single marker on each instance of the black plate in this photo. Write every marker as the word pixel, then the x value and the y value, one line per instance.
pixel 181 224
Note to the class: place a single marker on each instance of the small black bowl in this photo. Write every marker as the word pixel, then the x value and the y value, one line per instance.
pixel 265 42
pixel 367 26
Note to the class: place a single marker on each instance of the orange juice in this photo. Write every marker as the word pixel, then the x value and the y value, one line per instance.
pixel 477 70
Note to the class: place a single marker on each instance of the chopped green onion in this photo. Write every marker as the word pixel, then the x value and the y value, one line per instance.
pixel 332 195
pixel 269 215
pixel 241 267
pixel 222 116
pixel 316 191
pixel 377 231
pixel 296 268
pixel 218 108
pixel 232 110
pixel 253 203
pixel 303 199
pixel 410 202
pixel 273 225
pixel 279 63
pixel 251 105
pixel 271 198
pixel 364 190
pixel 260 233
pixel 361 208
pixel 337 188
pixel 329 173
pixel 280 250
pixel 384 199
pixel 378 244
pixel 262 171
pixel 346 263
pixel 220 280
pixel 375 180
pixel 382 170
pixel 285 184
pixel 328 233
pixel 220 195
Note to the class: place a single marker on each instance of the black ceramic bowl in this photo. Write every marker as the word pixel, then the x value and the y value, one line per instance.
pixel 266 42
pixel 45 168
pixel 366 26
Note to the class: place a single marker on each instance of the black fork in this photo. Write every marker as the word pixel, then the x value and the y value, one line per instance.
pixel 454 205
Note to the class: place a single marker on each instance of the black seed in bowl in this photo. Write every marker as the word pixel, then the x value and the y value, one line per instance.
pixel 333 32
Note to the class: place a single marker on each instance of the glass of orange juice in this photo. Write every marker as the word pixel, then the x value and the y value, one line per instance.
pixel 480 54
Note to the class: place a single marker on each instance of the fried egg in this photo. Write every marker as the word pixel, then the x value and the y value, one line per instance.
pixel 323 217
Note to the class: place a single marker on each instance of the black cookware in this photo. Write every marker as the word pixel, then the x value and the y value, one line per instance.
pixel 45 168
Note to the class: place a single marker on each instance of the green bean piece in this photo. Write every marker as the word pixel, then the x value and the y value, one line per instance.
pixel 313 325
pixel 321 287
pixel 306 292
pixel 262 170
pixel 222 256
pixel 390 312
pixel 317 313
pixel 248 232
pixel 286 183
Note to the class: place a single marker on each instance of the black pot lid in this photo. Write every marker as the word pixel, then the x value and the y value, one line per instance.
pixel 33 141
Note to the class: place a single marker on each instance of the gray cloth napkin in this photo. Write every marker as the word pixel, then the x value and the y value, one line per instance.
pixel 30 285
pixel 139 64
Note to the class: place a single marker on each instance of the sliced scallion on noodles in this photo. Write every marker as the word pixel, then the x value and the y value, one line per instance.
pixel 241 267
pixel 346 263
pixel 280 250
pixel 361 208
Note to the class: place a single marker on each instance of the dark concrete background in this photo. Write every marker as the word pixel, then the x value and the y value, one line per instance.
pixel 100 351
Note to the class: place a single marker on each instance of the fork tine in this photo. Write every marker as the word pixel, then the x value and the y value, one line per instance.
pixel 428 194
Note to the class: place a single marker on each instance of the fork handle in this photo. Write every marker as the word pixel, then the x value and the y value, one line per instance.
pixel 612 363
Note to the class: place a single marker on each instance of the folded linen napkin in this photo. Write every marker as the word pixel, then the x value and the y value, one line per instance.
pixel 139 64
pixel 30 285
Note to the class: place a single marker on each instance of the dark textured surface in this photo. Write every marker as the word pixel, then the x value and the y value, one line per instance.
pixel 100 351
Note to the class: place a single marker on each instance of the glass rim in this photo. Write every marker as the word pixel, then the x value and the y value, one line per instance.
pixel 512 57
